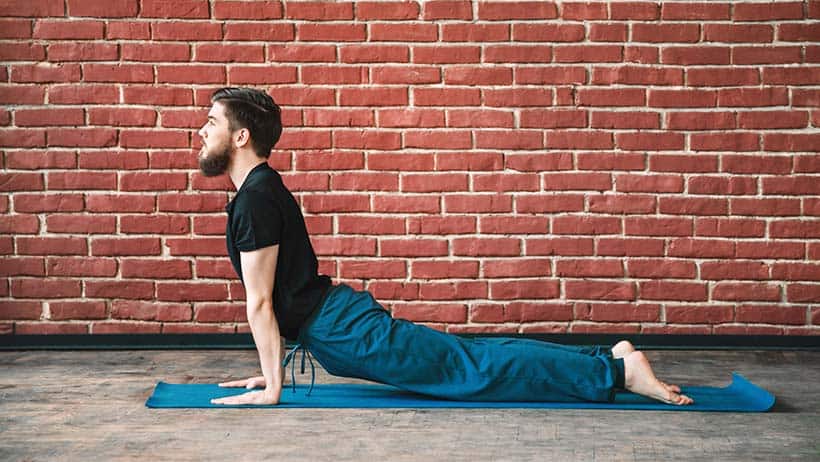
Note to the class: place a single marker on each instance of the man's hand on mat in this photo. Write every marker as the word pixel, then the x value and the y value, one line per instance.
pixel 250 383
pixel 266 396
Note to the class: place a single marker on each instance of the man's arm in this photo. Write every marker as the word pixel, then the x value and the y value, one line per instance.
pixel 258 270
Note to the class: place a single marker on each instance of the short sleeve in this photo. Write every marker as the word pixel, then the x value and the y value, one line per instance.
pixel 256 222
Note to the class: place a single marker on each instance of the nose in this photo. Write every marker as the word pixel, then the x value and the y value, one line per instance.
pixel 201 131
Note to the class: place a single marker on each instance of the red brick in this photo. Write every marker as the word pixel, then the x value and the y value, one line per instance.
pixel 588 54
pixel 701 248
pixel 197 246
pixel 192 291
pixel 262 31
pixel 589 268
pixel 126 246
pixel 217 268
pixel 516 268
pixel 646 226
pixel 51 246
pixel 191 73
pixel 45 117
pixel 412 247
pixel 418 32
pixel 128 30
pixel 29 8
pixel 746 291
pixel 659 33
pixel 46 72
pixel 45 288
pixel 692 206
pixel 454 54
pixel 699 314
pixel 100 9
pixel 20 224
pixel 682 98
pixel 438 225
pixel 182 31
pixel 537 162
pixel 24 266
pixel 468 290
pixel 505 224
pixel 240 10
pixel 80 137
pixel 497 11
pixel 449 313
pixel 679 291
pixel 22 52
pixel 608 32
pixel 771 314
pixel 622 203
pixel 524 289
pixel 119 203
pixel 406 204
pixel 150 311
pixel 314 32
pixel 798 32
pixel 486 246
pixel 559 246
pixel 599 290
pixel 155 269
pixel 493 203
pixel 403 162
pixel 794 185
pixel 15 28
pixel 630 247
pixel 549 203
pixel 13 309
pixel 765 207
pixel 809 293
pixel 344 246
pixel 347 53
pixel 77 310
pixel 649 183
pixel 609 328
pixel 734 270
pixel 84 94
pixel 84 180
pixel 618 312
pixel 634 10
pixel 796 271
pixel 794 229
pixel 23 94
pixel 444 269
pixel 611 161
pixel 364 269
pixel 694 11
pixel 38 203
pixel 73 29
pixel 89 51
pixel 188 9
pixel 586 225
pixel 21 182
pixel 771 250
pixel 518 54
pixel 388 290
pixel 659 269
pixel 572 139
pixel 81 266
pixel 688 55
pixel 220 312
pixel 22 138
pixel 80 224
pixel 729 227
pixel 441 10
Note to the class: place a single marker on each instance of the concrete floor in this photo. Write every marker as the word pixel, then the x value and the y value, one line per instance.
pixel 89 405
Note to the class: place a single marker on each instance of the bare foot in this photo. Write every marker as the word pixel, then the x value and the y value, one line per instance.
pixel 640 379
pixel 622 349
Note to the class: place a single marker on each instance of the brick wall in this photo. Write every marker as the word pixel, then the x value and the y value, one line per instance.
pixel 479 166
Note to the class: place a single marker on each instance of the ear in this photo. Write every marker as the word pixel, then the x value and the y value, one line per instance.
pixel 242 137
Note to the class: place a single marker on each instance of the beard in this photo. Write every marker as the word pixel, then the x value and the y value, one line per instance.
pixel 215 161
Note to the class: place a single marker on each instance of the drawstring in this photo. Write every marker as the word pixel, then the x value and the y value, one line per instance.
pixel 291 354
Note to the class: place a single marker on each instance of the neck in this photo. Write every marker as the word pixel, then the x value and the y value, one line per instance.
pixel 241 165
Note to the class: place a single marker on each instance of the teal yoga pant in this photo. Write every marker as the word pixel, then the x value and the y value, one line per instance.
pixel 352 335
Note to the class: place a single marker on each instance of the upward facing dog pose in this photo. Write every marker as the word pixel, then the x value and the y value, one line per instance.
pixel 346 330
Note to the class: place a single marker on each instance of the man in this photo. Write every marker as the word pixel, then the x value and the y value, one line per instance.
pixel 347 331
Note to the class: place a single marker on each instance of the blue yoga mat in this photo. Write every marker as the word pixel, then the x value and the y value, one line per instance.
pixel 739 396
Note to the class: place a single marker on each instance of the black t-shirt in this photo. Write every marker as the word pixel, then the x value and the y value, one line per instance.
pixel 264 213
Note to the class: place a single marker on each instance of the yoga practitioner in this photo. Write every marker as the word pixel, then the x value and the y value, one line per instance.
pixel 347 331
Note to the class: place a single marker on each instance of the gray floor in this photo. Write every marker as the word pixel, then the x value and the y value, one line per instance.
pixel 89 405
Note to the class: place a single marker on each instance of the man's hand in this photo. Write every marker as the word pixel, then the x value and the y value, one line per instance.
pixel 263 397
pixel 251 383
